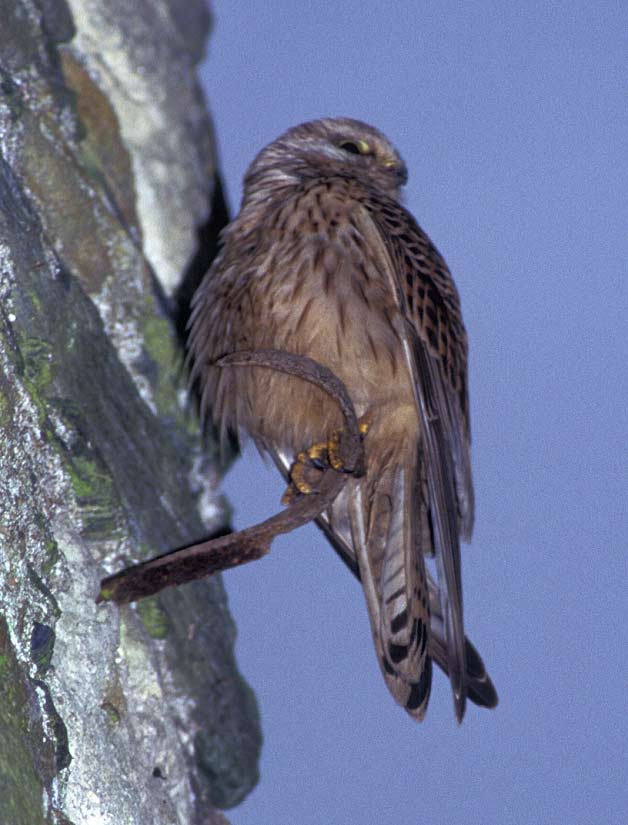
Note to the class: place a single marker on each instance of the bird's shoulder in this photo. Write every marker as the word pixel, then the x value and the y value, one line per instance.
pixel 430 297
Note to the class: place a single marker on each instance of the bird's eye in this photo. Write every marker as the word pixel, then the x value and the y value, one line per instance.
pixel 359 148
pixel 348 146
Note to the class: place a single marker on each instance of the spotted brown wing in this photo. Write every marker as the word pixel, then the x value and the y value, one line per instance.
pixel 436 348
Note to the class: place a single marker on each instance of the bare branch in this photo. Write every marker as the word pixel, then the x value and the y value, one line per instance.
pixel 209 557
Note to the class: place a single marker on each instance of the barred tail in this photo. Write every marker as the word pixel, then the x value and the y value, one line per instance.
pixel 385 529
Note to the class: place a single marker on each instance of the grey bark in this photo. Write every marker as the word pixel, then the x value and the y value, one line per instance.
pixel 107 715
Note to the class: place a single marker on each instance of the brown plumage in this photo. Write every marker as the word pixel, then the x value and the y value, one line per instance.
pixel 324 261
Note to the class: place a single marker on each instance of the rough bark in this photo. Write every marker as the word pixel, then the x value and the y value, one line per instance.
pixel 107 715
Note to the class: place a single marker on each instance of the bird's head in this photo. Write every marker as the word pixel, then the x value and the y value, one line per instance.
pixel 326 148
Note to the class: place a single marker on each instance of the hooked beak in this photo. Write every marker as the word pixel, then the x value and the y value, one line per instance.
pixel 399 168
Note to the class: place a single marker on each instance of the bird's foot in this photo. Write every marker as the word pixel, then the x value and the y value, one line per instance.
pixel 309 465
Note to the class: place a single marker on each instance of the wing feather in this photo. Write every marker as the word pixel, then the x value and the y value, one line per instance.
pixel 435 345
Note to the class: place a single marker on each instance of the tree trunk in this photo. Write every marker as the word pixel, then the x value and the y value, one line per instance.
pixel 107 716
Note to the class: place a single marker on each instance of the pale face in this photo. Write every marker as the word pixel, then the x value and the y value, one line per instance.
pixel 330 147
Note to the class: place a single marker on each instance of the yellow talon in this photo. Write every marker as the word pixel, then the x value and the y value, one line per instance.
pixel 298 478
pixel 303 478
pixel 309 464
pixel 317 452
pixel 290 495
pixel 333 450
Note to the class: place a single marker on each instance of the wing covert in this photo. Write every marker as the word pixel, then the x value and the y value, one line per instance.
pixel 435 344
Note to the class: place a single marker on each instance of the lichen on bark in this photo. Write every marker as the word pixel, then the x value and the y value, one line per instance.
pixel 108 716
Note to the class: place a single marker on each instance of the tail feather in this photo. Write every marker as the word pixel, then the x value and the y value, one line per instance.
pixel 393 575
pixel 479 687
pixel 341 526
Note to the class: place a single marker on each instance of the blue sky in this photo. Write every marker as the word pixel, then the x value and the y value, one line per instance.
pixel 512 118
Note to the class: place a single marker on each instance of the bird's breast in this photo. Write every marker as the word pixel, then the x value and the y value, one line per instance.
pixel 325 302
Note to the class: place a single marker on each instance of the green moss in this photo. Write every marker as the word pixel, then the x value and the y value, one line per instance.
pixel 112 713
pixel 95 495
pixel 114 703
pixel 158 338
pixel 51 555
pixel 38 369
pixel 88 480
pixel 21 745
pixel 162 364
pixel 6 411
pixel 50 546
pixel 38 363
pixel 154 618
pixel 45 591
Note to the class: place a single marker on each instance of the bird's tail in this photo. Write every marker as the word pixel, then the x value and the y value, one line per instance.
pixel 386 532
pixel 479 686
pixel 346 520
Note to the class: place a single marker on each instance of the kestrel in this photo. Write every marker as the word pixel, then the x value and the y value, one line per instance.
pixel 323 260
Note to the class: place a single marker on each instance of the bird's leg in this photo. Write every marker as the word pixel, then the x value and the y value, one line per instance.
pixel 306 471
pixel 334 446
pixel 309 465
